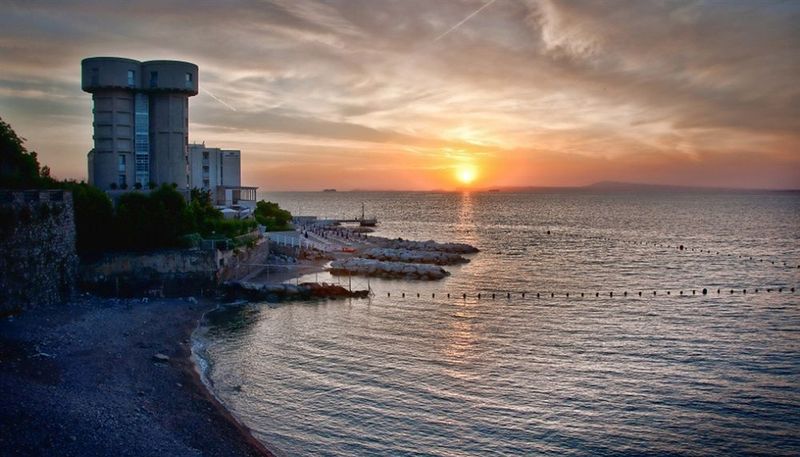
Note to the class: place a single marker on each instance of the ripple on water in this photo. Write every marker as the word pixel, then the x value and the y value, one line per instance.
pixel 693 375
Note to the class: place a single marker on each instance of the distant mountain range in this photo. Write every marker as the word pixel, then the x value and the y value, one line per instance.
pixel 638 187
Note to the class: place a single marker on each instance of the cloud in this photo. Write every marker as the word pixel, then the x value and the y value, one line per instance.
pixel 685 83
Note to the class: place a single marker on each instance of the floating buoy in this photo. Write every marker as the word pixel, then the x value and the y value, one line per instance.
pixel 625 293
pixel 509 295
pixel 479 296
pixel 640 293
pixel 597 294
pixel 433 295
pixel 668 293
pixel 567 294
pixel 523 295
pixel 717 290
pixel 492 296
pixel 465 296
pixel 417 294
pixel 705 291
pixel 681 292
pixel 694 291
pixel 537 294
pixel 611 294
pixel 581 294
pixel 448 295
pixel 552 294
pixel 744 291
pixel 388 294
pixel 681 247
pixel 404 295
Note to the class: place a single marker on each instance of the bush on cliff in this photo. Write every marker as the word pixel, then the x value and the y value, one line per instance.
pixel 151 221
pixel 272 216
pixel 94 215
pixel 209 222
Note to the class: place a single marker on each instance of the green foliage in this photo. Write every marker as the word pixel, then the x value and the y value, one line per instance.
pixel 94 218
pixel 18 168
pixel 141 221
pixel 151 221
pixel 272 216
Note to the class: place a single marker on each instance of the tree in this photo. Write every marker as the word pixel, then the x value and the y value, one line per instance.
pixel 94 218
pixel 271 216
pixel 151 221
pixel 18 167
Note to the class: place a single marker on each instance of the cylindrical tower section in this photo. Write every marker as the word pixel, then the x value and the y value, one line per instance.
pixel 112 82
pixel 169 85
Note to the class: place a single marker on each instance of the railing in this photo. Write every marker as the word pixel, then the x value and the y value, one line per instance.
pixel 298 242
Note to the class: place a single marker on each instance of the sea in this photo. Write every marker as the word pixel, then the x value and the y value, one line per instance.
pixel 609 322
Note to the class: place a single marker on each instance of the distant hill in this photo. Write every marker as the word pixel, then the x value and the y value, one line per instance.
pixel 633 186
pixel 621 186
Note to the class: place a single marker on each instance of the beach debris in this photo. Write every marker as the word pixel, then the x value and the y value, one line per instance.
pixel 159 357
pixel 378 268
pixel 409 256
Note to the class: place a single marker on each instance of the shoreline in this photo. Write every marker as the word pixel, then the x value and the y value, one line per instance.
pixel 203 383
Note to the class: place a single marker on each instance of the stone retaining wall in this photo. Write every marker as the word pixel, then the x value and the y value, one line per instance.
pixel 38 262
pixel 165 273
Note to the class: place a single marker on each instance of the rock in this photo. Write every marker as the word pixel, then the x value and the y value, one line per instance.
pixel 430 245
pixel 372 267
pixel 414 256
pixel 159 357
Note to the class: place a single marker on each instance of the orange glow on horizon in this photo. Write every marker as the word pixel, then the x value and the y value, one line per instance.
pixel 466 173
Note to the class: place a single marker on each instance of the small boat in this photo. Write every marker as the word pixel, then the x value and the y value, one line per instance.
pixel 329 190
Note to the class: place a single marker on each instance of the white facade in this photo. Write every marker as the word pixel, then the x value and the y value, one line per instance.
pixel 220 172
pixel 210 168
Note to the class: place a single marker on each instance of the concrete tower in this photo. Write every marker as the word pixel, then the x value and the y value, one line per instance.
pixel 141 121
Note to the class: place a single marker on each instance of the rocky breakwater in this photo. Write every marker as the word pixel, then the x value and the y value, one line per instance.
pixel 409 256
pixel 371 267
pixel 430 245
pixel 242 290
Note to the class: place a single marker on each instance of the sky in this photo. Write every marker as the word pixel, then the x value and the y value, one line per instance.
pixel 423 94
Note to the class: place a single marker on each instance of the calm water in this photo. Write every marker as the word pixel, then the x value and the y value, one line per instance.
pixel 689 375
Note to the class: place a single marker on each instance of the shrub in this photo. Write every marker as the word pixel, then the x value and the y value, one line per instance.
pixel 272 216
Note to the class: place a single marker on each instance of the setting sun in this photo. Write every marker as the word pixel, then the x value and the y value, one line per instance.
pixel 466 174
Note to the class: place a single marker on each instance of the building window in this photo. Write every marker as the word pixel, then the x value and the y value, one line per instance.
pixel 95 77
pixel 205 155
pixel 122 163
pixel 123 182
pixel 189 84
pixel 131 78
pixel 206 184
pixel 153 79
